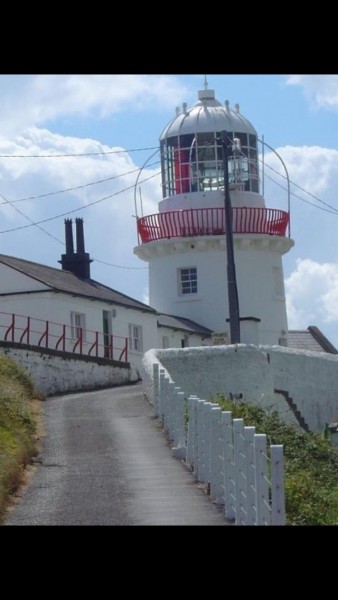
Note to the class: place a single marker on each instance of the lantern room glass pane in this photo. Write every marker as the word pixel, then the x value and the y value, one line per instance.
pixel 193 163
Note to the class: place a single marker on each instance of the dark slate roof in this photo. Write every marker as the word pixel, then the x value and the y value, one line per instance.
pixel 311 339
pixel 182 324
pixel 67 282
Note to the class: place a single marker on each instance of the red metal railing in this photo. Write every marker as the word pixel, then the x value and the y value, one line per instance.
pixel 210 221
pixel 58 336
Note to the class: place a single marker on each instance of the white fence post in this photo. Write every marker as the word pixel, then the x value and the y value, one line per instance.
pixel 171 410
pixel 161 396
pixel 262 486
pixel 229 482
pixel 277 485
pixel 175 413
pixel 165 384
pixel 156 385
pixel 192 432
pixel 181 415
pixel 217 458
pixel 180 450
pixel 207 441
pixel 199 441
pixel 249 433
pixel 182 437
pixel 240 471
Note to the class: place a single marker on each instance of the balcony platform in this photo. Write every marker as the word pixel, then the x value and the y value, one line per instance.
pixel 211 222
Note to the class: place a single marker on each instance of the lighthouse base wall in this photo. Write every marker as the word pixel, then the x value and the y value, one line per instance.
pixel 260 283
pixel 276 378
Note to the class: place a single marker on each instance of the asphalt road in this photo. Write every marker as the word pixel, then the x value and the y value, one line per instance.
pixel 106 462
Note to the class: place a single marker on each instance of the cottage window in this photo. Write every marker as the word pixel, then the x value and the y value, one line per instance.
pixel 78 325
pixel 135 338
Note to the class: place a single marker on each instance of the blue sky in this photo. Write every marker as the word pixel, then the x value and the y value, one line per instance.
pixel 81 114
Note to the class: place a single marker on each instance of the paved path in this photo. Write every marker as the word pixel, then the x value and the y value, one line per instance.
pixel 106 462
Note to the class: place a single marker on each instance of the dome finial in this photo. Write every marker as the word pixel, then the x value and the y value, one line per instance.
pixel 205 82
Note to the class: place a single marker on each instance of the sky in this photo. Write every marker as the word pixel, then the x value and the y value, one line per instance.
pixel 108 126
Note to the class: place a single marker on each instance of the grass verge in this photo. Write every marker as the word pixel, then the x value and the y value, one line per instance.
pixel 18 427
pixel 311 465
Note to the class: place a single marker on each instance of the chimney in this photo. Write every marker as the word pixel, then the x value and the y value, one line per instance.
pixel 69 236
pixel 79 263
pixel 80 247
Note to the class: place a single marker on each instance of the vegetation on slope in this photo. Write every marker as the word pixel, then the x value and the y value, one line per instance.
pixel 311 465
pixel 18 423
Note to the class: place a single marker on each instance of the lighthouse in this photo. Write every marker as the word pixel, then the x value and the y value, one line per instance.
pixel 184 243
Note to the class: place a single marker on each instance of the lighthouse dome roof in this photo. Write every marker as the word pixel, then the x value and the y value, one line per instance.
pixel 208 115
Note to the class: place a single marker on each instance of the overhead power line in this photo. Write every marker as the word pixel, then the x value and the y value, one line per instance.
pixel 332 212
pixel 300 188
pixel 38 225
pixel 74 210
pixel 29 219
pixel 78 187
pixel 330 209
pixel 103 152
pixel 63 243
pixel 103 262
pixel 130 172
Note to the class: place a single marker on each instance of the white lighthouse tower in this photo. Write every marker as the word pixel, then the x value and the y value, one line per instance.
pixel 185 244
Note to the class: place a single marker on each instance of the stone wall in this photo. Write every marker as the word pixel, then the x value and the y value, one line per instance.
pixel 308 379
pixel 55 372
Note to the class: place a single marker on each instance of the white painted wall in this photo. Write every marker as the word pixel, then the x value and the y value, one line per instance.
pixel 260 282
pixel 311 378
pixel 175 338
pixel 56 374
pixel 210 199
pixel 57 308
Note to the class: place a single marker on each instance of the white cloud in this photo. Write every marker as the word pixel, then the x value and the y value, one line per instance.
pixel 33 100
pixel 313 167
pixel 311 266
pixel 312 296
pixel 320 90
pixel 22 177
pixel 145 297
pixel 313 224
pixel 110 228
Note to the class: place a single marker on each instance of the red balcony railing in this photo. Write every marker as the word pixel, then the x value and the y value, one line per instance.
pixel 210 221
pixel 58 336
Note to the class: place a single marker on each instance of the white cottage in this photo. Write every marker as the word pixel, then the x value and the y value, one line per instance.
pixel 65 309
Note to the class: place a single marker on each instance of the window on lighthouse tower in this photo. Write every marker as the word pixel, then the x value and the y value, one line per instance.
pixel 187 281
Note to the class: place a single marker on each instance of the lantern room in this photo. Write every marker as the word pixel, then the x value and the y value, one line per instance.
pixel 191 149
